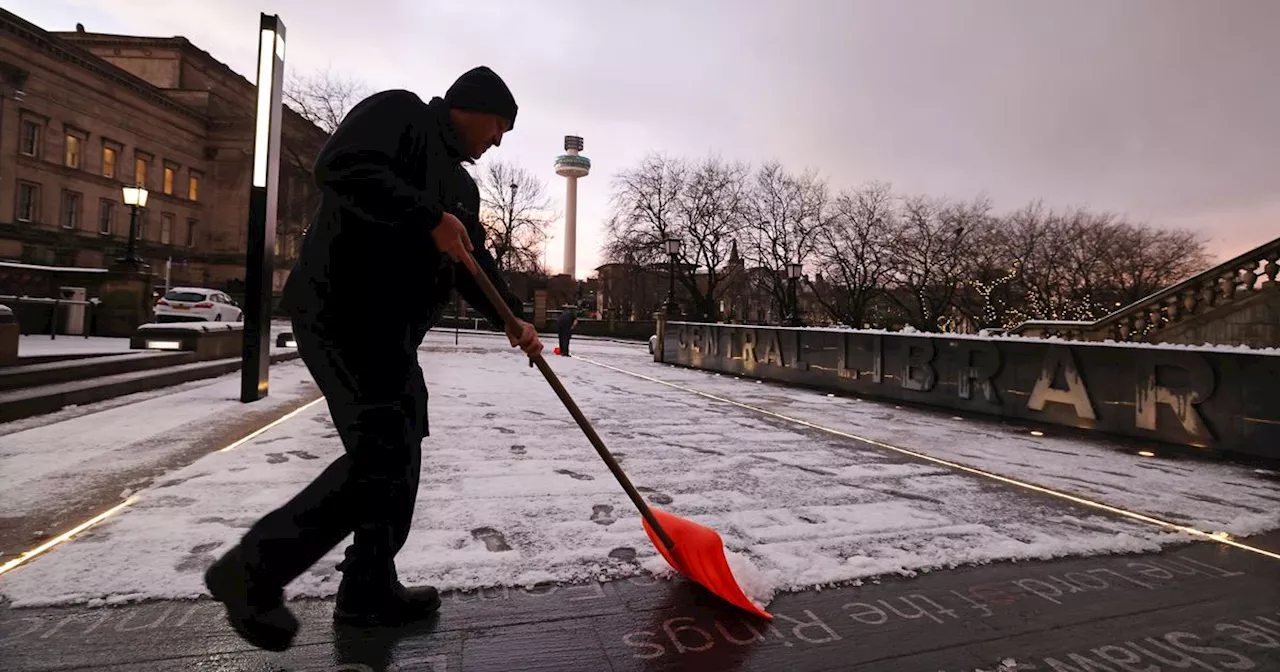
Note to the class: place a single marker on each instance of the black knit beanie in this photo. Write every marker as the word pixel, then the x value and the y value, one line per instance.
pixel 482 90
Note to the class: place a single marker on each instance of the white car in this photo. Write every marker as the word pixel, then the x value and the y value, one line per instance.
pixel 197 304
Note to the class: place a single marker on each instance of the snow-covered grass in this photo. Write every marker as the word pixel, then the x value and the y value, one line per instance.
pixel 513 494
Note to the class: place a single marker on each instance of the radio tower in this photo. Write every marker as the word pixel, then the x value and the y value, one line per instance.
pixel 571 166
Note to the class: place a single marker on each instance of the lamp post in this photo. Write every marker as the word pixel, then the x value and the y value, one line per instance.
pixel 263 200
pixel 135 198
pixel 673 250
pixel 794 270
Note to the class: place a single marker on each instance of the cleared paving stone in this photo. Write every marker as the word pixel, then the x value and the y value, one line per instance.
pixel 1199 607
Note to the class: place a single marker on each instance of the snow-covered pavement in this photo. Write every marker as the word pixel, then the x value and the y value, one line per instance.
pixel 57 469
pixel 513 494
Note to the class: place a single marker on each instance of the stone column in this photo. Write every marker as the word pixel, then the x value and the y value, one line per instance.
pixel 126 301
pixel 539 309
pixel 661 318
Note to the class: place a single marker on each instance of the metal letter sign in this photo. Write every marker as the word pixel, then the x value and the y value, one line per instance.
pixel 263 200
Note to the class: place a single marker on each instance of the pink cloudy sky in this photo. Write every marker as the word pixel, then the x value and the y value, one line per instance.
pixel 1166 110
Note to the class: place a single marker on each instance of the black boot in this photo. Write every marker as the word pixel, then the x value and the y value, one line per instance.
pixel 379 599
pixel 256 612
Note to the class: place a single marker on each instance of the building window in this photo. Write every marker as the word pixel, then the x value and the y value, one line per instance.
pixel 193 186
pixel 72 158
pixel 70 210
pixel 140 167
pixel 166 228
pixel 191 232
pixel 30 145
pixel 170 172
pixel 109 162
pixel 106 217
pixel 144 218
pixel 28 202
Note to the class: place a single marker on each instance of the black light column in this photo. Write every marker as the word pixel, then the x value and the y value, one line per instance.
pixel 263 200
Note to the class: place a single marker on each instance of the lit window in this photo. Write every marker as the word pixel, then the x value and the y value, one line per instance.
pixel 169 172
pixel 72 158
pixel 193 187
pixel 109 162
pixel 140 167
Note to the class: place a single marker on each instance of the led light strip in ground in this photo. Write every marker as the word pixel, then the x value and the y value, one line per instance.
pixel 69 534
pixel 64 537
pixel 258 432
pixel 955 465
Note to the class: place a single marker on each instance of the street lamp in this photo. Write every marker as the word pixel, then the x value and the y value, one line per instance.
pixel 263 195
pixel 794 271
pixel 673 250
pixel 135 198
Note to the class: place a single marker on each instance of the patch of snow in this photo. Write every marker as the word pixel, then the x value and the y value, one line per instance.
pixel 758 586
pixel 204 327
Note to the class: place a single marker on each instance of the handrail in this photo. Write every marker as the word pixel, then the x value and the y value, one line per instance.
pixel 1160 301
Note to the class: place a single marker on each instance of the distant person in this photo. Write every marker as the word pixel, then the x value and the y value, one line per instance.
pixel 568 320
pixel 397 210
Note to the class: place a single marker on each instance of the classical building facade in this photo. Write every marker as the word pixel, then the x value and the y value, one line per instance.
pixel 83 114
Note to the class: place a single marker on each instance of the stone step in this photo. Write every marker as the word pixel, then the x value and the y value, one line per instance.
pixel 46 373
pixel 32 401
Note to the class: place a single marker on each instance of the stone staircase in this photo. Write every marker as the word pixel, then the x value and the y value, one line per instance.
pixel 1234 303
pixel 48 384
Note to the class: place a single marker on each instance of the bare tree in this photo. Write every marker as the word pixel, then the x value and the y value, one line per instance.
pixel 644 205
pixel 932 258
pixel 785 214
pixel 323 97
pixel 852 253
pixel 516 213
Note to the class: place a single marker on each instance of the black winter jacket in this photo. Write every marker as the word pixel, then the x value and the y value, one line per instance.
pixel 368 260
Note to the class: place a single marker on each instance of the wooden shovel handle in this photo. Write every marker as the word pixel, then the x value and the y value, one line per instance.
pixel 510 322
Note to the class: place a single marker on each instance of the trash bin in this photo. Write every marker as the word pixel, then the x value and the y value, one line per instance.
pixel 8 337
pixel 75 311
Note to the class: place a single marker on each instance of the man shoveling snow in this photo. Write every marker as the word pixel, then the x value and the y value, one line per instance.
pixel 399 212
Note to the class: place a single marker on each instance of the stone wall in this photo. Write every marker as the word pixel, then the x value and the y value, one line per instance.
pixel 1204 398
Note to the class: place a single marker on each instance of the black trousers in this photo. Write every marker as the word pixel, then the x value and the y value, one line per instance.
pixel 378 400
pixel 564 341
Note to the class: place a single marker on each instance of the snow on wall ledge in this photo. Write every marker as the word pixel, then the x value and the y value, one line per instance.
pixel 1218 398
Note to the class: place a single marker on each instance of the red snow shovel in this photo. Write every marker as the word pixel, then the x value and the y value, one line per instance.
pixel 694 550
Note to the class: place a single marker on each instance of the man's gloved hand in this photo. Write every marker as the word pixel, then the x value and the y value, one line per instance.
pixel 451 238
pixel 526 338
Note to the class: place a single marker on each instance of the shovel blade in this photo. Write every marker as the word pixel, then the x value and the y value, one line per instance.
pixel 699 556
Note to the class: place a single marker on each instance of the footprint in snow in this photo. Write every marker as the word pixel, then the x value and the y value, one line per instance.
pixel 623 553
pixel 505 430
pixel 490 416
pixel 575 475
pixel 276 458
pixel 198 558
pixel 518 450
pixel 303 454
pixel 602 514
pixel 656 497
pixel 493 539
